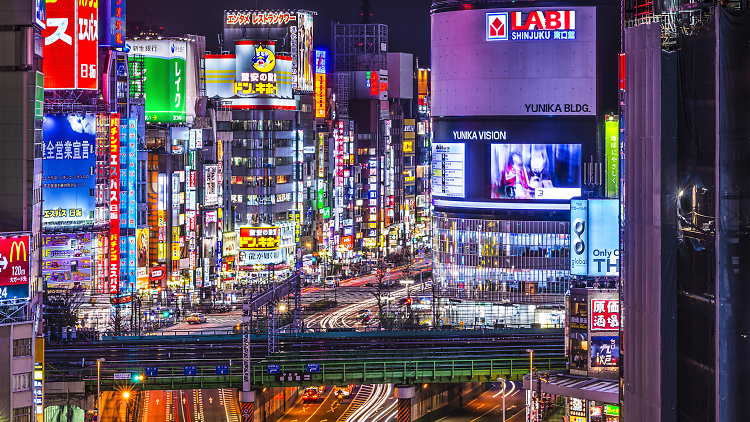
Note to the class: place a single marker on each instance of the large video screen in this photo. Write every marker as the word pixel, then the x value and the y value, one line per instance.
pixel 535 171
pixel 502 163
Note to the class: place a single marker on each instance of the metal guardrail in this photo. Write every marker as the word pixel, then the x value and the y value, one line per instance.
pixel 270 374
pixel 289 331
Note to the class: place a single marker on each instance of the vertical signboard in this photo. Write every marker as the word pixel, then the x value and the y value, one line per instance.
pixel 578 237
pixel 68 165
pixel 612 135
pixel 70 45
pixel 605 315
pixel 320 83
pixel 210 184
pixel 14 267
pixel 306 54
pixel 164 84
pixel 595 237
pixel 604 237
pixel 142 258
pixel 114 204
pixel 132 162
pixel 112 29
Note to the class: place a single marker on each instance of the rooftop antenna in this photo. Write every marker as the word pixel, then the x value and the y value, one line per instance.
pixel 366 12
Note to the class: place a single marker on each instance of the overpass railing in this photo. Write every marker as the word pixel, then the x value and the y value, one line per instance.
pixel 290 331
pixel 271 374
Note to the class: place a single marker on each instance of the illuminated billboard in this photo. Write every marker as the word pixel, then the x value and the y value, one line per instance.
pixel 165 78
pixel 257 74
pixel 70 45
pixel 526 61
pixel 291 30
pixel 259 238
pixel 320 83
pixel 210 184
pixel 66 259
pixel 114 204
pixel 595 237
pixel 69 159
pixel 14 267
pixel 142 257
pixel 112 28
pixel 535 171
pixel 479 163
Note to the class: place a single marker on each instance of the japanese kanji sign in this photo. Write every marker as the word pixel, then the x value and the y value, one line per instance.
pixel 605 351
pixel 605 315
pixel 259 238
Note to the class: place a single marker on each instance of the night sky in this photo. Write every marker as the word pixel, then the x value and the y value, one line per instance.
pixel 408 20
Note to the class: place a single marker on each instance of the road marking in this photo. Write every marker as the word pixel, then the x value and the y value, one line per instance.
pixel 480 416
pixel 211 400
pixel 480 406
pixel 321 405
pixel 157 402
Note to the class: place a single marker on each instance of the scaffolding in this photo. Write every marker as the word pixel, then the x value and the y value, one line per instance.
pixel 136 67
pixel 359 47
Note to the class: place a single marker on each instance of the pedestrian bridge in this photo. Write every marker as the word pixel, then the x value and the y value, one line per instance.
pixel 329 360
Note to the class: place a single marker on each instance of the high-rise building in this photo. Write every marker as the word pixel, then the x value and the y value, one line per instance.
pixel 519 97
pixel 685 225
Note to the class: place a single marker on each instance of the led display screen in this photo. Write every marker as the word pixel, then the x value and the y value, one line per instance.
pixel 535 171
pixel 482 163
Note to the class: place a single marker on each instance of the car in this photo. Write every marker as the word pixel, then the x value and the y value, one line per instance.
pixel 345 390
pixel 362 313
pixel 331 281
pixel 310 394
pixel 195 319
pixel 322 389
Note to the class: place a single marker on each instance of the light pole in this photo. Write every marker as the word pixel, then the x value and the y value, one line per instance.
pixel 99 388
pixel 531 381
pixel 503 381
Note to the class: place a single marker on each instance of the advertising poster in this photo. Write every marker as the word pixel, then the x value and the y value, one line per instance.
pixel 579 237
pixel 251 258
pixel 210 184
pixel 68 165
pixel 605 351
pixel 142 262
pixel 71 38
pixel 612 147
pixel 165 79
pixel 14 267
pixel 604 237
pixel 112 29
pixel 66 259
pixel 259 238
pixel 306 55
pixel 535 171
pixel 320 84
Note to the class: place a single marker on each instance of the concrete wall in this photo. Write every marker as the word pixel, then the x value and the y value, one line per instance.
pixel 271 403
pixel 437 400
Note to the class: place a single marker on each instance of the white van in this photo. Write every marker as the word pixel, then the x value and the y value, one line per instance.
pixel 331 282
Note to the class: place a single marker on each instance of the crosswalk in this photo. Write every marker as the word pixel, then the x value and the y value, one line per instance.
pixel 198 404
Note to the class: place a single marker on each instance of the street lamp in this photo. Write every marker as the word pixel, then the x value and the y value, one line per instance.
pixel 99 388
pixel 503 381
pixel 531 379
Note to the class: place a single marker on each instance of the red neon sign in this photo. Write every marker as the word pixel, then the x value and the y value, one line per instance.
pixel 114 204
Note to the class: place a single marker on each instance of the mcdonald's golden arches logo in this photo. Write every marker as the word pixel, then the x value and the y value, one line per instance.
pixel 17 246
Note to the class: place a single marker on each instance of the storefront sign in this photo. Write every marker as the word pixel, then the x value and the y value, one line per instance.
pixel 605 315
pixel 577 407
pixel 259 238
pixel 605 351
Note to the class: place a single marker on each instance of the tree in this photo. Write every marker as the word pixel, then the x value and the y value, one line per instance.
pixel 382 290
pixel 117 319
pixel 61 308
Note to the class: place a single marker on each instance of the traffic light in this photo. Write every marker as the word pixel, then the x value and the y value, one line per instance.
pixel 408 301
pixel 166 314
pixel 138 378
